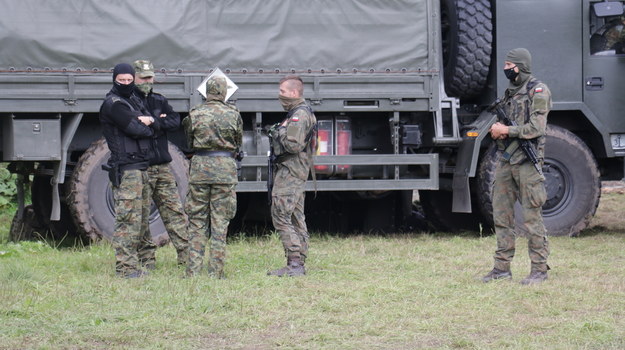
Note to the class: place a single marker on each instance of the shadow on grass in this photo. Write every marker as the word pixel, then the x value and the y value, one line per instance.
pixel 600 230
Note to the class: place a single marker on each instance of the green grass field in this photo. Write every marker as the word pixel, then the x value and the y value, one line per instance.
pixel 411 291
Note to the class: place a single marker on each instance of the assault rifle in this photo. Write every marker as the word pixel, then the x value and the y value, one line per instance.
pixel 525 144
pixel 271 161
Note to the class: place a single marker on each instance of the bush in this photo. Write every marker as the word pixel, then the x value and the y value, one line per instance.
pixel 8 189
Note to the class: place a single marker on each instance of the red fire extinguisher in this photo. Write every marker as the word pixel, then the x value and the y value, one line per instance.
pixel 324 144
pixel 343 142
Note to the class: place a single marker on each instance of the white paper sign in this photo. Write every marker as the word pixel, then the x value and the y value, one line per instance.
pixel 231 89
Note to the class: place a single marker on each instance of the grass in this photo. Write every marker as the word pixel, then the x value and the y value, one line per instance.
pixel 410 291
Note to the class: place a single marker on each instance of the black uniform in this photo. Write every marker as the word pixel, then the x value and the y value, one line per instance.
pixel 131 145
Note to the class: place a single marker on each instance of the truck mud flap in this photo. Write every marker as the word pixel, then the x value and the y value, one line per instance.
pixel 466 164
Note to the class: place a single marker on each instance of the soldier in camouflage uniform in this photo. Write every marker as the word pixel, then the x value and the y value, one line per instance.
pixel 162 181
pixel 291 143
pixel 215 131
pixel 126 127
pixel 526 101
pixel 610 37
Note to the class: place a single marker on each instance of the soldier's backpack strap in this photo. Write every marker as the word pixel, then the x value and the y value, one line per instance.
pixel 530 93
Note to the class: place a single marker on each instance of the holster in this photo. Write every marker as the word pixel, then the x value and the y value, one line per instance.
pixel 115 175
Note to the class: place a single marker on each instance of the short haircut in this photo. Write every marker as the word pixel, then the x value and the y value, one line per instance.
pixel 294 82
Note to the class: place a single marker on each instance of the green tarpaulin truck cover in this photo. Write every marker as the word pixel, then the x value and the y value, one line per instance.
pixel 196 35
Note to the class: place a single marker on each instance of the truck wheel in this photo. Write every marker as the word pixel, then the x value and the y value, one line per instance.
pixel 466 27
pixel 572 182
pixel 91 197
pixel 41 192
pixel 437 210
pixel 26 227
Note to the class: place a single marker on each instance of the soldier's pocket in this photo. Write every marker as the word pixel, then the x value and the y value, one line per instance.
pixel 536 192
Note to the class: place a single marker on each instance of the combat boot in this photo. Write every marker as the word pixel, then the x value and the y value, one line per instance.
pixel 535 277
pixel 279 272
pixel 496 274
pixel 296 268
pixel 136 274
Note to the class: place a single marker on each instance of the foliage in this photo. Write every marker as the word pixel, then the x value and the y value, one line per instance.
pixel 17 249
pixel 8 190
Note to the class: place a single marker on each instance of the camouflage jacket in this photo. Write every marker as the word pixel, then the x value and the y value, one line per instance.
pixel 529 109
pixel 292 147
pixel 213 126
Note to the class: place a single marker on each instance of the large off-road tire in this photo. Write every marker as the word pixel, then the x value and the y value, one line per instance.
pixel 91 196
pixel 572 182
pixel 437 209
pixel 467 45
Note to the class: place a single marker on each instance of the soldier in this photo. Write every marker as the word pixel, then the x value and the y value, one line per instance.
pixel 215 131
pixel 126 127
pixel 609 37
pixel 527 101
pixel 291 143
pixel 162 181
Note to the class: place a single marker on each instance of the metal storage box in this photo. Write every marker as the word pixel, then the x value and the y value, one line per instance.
pixel 31 139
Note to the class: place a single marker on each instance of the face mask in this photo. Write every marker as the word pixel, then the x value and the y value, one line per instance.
pixel 288 102
pixel 510 74
pixel 145 87
pixel 125 90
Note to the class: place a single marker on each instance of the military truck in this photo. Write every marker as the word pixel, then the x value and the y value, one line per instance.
pixel 399 89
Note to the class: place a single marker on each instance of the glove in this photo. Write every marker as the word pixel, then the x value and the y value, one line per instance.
pixel 272 130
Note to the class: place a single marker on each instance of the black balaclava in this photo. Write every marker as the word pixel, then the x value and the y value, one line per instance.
pixel 121 89
pixel 523 60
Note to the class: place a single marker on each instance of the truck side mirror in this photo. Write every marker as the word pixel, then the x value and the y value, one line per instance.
pixel 606 9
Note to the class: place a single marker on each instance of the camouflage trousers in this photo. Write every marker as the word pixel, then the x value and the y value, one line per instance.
pixel 523 183
pixel 131 237
pixel 287 214
pixel 167 200
pixel 210 208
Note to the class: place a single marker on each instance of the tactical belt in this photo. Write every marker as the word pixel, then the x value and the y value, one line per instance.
pixel 133 166
pixel 207 153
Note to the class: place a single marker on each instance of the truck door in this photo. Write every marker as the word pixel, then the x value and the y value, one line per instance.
pixel 604 66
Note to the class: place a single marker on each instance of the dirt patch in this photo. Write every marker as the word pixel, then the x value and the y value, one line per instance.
pixel 613 187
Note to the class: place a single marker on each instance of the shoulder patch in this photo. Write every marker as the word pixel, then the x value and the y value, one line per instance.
pixel 539 89
pixel 294 118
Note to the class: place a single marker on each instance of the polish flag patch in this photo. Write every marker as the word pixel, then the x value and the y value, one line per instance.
pixel 539 89
pixel 295 119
